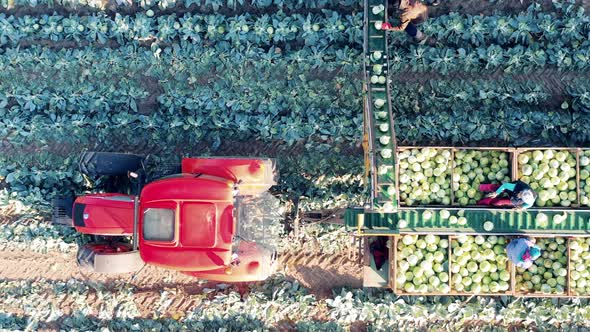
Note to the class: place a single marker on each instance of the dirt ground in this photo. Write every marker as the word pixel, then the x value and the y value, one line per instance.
pixel 319 272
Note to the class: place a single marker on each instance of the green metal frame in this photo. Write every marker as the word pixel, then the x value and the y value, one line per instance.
pixel 382 197
pixel 374 220
pixel 506 222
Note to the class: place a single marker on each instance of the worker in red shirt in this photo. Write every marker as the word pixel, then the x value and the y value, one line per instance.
pixel 519 195
pixel 413 12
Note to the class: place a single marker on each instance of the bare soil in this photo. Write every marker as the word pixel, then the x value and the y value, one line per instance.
pixel 319 272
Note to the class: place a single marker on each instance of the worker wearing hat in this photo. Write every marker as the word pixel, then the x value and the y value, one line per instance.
pixel 412 13
pixel 523 252
pixel 520 195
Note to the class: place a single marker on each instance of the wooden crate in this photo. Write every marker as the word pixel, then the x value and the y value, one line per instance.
pixel 511 164
pixel 567 293
pixel 580 151
pixel 397 170
pixel 509 267
pixel 512 269
pixel 574 151
pixel 569 265
pixel 394 271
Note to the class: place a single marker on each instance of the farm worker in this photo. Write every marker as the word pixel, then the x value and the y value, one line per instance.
pixel 520 195
pixel 413 12
pixel 522 252
pixel 380 252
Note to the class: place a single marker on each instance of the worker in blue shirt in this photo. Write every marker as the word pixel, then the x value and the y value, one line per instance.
pixel 522 252
pixel 520 195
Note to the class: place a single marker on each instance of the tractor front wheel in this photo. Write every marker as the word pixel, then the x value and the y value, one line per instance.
pixel 109 163
pixel 109 258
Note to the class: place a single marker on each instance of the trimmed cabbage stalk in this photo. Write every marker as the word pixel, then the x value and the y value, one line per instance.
pixel 552 174
pixel 425 176
pixel 548 274
pixel 473 168
pixel 479 264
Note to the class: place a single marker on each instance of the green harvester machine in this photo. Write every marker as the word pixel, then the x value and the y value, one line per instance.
pixel 387 216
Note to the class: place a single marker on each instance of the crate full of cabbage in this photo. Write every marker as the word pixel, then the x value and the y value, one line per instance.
pixel 472 167
pixel 552 173
pixel 421 265
pixel 549 273
pixel 479 265
pixel 424 176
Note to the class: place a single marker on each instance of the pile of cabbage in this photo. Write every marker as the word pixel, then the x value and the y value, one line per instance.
pixel 580 266
pixel 422 264
pixel 479 264
pixel 585 178
pixel 425 176
pixel 548 274
pixel 473 168
pixel 552 174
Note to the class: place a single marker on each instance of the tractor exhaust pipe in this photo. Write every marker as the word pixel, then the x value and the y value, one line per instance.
pixel 135 221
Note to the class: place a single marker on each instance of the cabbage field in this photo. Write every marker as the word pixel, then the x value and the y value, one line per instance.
pixel 284 79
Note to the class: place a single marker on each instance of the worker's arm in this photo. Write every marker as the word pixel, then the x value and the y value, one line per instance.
pixel 505 186
pixel 405 20
pixel 525 264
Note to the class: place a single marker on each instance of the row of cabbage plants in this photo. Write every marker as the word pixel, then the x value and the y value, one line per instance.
pixel 438 95
pixel 567 26
pixel 37 178
pixel 103 88
pixel 493 126
pixel 210 4
pixel 509 113
pixel 278 303
pixel 518 59
pixel 312 29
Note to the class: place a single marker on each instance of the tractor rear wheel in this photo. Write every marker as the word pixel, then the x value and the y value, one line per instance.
pixel 109 163
pixel 109 258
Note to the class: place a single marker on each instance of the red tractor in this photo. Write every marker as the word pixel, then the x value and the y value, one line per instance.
pixel 210 221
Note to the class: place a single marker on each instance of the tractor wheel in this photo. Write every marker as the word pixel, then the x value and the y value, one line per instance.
pixel 109 258
pixel 62 211
pixel 109 163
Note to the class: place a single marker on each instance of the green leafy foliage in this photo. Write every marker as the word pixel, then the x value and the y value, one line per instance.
pixel 208 4
pixel 242 29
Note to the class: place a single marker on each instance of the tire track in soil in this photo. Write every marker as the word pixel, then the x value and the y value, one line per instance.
pixel 322 272
pixel 317 271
